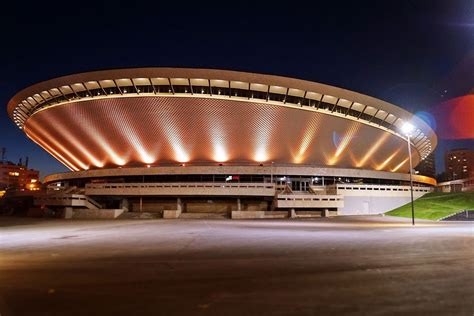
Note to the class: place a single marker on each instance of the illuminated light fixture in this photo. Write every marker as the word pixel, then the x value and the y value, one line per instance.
pixel 145 157
pixel 220 154
pixel 218 136
pixel 261 155
pixel 181 155
pixel 263 130
pixel 148 166
pixel 407 128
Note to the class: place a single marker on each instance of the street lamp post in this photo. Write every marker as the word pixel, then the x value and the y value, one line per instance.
pixel 407 128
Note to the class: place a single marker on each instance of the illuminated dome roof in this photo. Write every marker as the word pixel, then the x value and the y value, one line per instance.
pixel 200 116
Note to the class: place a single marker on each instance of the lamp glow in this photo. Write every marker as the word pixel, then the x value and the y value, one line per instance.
pixel 407 128
pixel 261 155
pixel 220 154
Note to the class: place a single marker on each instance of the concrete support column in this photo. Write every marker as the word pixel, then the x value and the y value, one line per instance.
pixel 325 213
pixel 179 205
pixel 141 204
pixel 124 205
pixel 292 213
pixel 68 212
pixel 239 205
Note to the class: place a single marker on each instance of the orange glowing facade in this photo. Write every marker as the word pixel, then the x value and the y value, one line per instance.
pixel 162 116
pixel 18 176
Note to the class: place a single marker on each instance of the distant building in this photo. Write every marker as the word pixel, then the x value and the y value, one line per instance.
pixel 18 176
pixel 427 167
pixel 459 164
pixel 463 185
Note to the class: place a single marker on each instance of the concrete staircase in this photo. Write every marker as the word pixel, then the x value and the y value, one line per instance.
pixel 315 198
pixel 67 200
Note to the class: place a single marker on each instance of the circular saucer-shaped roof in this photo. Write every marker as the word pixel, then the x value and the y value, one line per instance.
pixel 168 115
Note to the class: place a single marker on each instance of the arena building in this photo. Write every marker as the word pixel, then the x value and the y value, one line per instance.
pixel 187 143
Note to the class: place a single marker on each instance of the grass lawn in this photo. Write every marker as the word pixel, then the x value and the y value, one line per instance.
pixel 436 205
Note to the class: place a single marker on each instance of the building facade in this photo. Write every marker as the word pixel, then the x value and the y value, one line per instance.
pixel 18 176
pixel 427 167
pixel 459 164
pixel 181 141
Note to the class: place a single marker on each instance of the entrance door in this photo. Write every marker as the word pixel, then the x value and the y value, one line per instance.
pixel 300 184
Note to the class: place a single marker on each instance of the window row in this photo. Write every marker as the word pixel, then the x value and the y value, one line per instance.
pixel 210 90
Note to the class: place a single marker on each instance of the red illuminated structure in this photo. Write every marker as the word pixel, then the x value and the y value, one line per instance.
pixel 455 118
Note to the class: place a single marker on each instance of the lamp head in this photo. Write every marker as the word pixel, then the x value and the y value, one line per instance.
pixel 407 128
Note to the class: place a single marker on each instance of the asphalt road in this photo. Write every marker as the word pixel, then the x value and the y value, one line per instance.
pixel 347 265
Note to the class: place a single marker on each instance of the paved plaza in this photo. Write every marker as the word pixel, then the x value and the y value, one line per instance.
pixel 345 265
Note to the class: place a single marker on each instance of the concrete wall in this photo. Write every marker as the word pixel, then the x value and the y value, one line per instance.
pixel 247 214
pixel 96 214
pixel 375 199
pixel 153 206
pixel 180 189
pixel 254 205
pixel 202 205
pixel 309 201
pixel 210 206
pixel 362 205
pixel 171 214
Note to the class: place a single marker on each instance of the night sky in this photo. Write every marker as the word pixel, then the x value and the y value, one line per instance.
pixel 414 54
